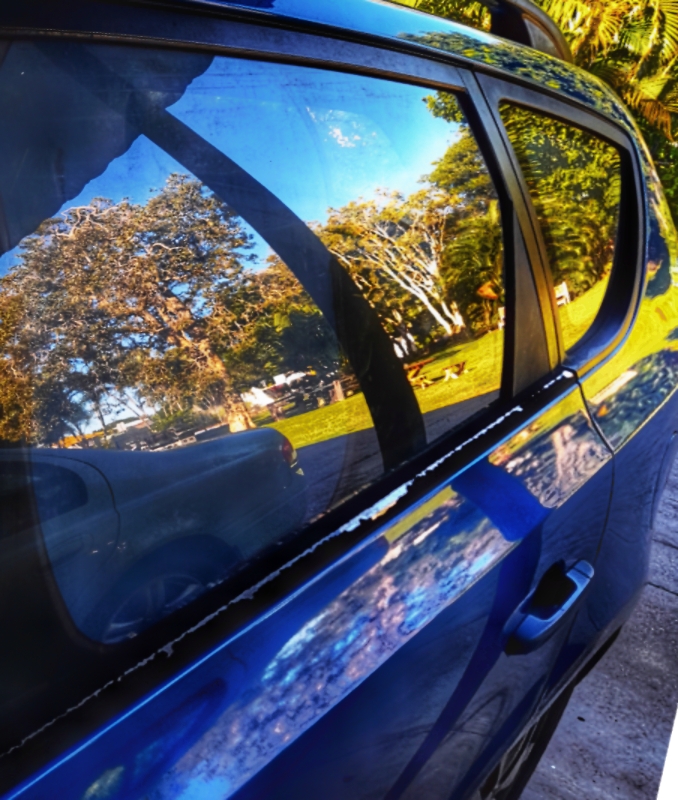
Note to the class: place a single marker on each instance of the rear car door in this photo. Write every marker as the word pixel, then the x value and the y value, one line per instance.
pixel 376 253
pixel 608 263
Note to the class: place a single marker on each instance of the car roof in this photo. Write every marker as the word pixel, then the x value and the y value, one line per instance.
pixel 386 20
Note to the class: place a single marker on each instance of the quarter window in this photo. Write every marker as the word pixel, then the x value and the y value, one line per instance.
pixel 574 181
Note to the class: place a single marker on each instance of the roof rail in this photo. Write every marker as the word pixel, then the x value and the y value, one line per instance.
pixel 524 22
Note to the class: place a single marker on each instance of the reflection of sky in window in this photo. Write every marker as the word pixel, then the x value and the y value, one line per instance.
pixel 317 139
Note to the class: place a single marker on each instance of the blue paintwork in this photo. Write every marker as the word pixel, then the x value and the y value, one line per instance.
pixel 632 397
pixel 388 670
pixel 452 567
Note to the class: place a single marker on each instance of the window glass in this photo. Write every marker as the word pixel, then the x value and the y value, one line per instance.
pixel 574 180
pixel 430 261
pixel 233 294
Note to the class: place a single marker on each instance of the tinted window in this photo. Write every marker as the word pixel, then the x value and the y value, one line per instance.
pixel 234 288
pixel 431 263
pixel 574 180
pixel 56 491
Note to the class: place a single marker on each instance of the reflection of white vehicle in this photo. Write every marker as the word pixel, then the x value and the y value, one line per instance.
pixel 132 536
pixel 299 392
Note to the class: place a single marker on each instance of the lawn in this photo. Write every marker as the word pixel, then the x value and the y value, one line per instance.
pixel 483 364
pixel 482 357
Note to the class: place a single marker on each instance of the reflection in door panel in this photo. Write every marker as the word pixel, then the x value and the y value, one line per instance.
pixel 252 304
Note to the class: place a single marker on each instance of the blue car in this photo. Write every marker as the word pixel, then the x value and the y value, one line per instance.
pixel 339 352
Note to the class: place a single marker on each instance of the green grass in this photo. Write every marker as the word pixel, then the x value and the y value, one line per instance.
pixel 577 316
pixel 348 416
pixel 657 317
pixel 483 359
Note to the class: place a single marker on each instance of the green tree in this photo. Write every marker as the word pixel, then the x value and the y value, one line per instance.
pixel 633 46
pixel 118 301
pixel 431 263
pixel 274 328
pixel 397 243
pixel 630 44
pixel 468 12
pixel 575 183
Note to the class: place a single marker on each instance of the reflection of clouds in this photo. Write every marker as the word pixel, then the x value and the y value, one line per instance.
pixel 346 128
pixel 428 567
pixel 553 464
pixel 344 141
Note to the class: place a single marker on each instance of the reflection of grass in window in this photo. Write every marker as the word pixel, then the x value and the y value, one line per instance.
pixel 577 316
pixel 347 416
pixel 483 364
pixel 482 359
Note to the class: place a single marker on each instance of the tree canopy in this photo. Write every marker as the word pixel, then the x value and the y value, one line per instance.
pixel 630 44
pixel 119 304
pixel 163 309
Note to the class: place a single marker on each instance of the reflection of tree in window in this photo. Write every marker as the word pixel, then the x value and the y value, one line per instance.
pixel 574 181
pixel 165 311
pixel 120 304
pixel 151 307
pixel 431 264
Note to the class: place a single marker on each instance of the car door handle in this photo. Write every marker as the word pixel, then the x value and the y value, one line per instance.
pixel 545 609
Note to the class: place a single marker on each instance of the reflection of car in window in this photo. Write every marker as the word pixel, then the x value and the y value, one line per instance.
pixel 175 522
pixel 324 328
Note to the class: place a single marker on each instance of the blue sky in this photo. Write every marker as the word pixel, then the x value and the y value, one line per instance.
pixel 315 138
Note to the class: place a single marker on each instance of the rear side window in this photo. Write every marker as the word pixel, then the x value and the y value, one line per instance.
pixel 240 304
pixel 574 181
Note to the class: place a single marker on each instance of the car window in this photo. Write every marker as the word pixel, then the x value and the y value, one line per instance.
pixel 239 292
pixel 574 181
pixel 431 263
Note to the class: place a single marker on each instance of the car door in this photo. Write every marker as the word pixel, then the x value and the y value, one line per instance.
pixel 596 288
pixel 458 484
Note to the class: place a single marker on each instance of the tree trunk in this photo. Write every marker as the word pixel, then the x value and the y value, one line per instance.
pixel 237 415
pixel 191 337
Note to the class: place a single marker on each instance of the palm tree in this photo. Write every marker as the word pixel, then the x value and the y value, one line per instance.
pixel 630 44
pixel 469 12
pixel 633 46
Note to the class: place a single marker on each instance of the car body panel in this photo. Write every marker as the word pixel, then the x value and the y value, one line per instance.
pixel 450 569
pixel 632 397
pixel 382 673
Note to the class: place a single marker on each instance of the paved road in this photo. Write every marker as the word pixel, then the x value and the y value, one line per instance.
pixel 612 740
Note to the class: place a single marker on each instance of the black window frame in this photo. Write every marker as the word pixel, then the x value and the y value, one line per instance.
pixel 614 319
